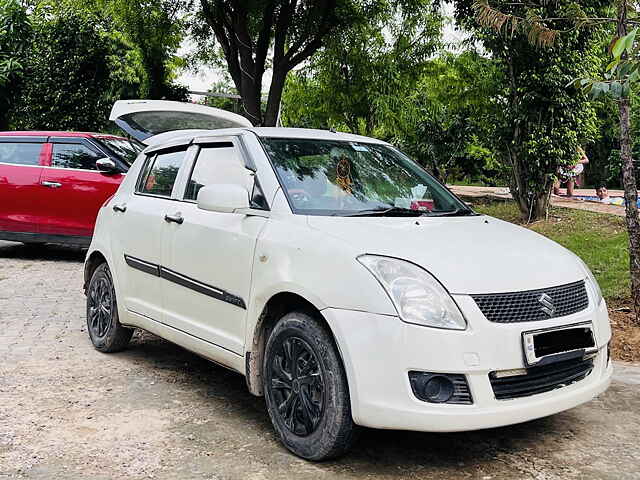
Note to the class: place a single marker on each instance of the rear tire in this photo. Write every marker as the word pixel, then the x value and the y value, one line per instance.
pixel 306 389
pixel 103 325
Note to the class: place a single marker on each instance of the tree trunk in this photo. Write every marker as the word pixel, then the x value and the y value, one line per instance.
pixel 275 96
pixel 631 200
pixel 250 93
pixel 629 182
pixel 533 205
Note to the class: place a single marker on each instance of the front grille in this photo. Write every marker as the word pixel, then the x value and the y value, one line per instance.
pixel 540 379
pixel 529 306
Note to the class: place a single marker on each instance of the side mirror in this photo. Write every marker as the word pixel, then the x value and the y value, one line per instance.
pixel 223 197
pixel 106 165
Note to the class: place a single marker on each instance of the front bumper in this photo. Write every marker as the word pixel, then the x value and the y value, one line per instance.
pixel 379 350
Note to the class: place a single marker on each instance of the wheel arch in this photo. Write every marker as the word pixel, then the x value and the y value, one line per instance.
pixel 275 308
pixel 93 261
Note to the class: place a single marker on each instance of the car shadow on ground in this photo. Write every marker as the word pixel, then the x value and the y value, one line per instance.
pixel 44 251
pixel 375 452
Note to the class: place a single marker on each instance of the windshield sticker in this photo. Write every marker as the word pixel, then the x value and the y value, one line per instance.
pixel 360 148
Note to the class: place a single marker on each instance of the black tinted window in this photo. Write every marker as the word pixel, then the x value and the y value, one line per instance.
pixel 216 164
pixel 74 155
pixel 152 123
pixel 20 153
pixel 160 174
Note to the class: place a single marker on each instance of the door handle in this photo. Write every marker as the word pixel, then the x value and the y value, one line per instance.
pixel 51 184
pixel 175 218
pixel 120 208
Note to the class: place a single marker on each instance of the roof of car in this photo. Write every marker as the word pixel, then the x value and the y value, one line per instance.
pixel 265 132
pixel 50 133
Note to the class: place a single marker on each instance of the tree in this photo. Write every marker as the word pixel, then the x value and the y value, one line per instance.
pixel 279 34
pixel 623 72
pixel 364 74
pixel 73 72
pixel 440 110
pixel 15 38
pixel 543 124
pixel 448 123
pixel 156 29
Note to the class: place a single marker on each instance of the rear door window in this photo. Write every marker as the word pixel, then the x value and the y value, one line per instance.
pixel 74 155
pixel 20 153
pixel 160 172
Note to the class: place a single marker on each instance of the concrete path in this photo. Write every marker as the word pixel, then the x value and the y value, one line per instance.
pixel 502 192
pixel 158 411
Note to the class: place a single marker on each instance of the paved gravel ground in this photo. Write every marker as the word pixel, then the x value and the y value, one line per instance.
pixel 158 411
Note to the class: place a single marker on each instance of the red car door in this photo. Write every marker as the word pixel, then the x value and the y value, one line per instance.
pixel 21 160
pixel 74 188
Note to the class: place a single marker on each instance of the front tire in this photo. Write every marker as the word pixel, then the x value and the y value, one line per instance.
pixel 103 325
pixel 306 389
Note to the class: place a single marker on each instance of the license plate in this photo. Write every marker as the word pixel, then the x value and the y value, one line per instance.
pixel 557 343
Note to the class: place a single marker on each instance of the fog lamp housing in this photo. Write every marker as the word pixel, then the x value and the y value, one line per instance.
pixel 448 388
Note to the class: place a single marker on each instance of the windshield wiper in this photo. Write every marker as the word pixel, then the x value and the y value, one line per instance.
pixel 458 212
pixel 384 211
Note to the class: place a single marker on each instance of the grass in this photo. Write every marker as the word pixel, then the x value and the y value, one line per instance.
pixel 599 239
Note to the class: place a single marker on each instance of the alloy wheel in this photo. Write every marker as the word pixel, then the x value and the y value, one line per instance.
pixel 100 307
pixel 296 386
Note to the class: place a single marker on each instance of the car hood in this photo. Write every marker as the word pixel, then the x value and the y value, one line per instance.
pixel 468 255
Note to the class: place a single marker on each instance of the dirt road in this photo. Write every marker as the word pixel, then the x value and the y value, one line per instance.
pixel 157 411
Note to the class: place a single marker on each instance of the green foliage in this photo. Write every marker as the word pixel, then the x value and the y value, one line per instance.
pixel 439 110
pixel 155 29
pixel 621 74
pixel 363 75
pixel 15 37
pixel 449 118
pixel 15 31
pixel 542 123
pixel 247 38
pixel 72 72
pixel 77 57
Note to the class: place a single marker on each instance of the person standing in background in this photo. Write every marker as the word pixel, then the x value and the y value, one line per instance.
pixel 569 176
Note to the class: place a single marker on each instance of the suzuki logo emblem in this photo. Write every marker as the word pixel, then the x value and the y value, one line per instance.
pixel 547 304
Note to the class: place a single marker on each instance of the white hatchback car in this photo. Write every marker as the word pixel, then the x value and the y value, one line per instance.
pixel 346 284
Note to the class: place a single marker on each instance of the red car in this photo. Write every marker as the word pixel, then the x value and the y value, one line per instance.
pixel 52 184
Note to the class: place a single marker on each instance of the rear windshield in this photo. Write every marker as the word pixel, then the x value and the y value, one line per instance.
pixel 126 150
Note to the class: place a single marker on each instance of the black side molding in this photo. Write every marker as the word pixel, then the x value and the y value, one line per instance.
pixel 146 267
pixel 184 281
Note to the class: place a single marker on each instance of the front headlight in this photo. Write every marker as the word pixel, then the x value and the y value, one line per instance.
pixel 592 280
pixel 418 296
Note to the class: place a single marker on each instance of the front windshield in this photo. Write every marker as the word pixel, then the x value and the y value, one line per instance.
pixel 126 150
pixel 323 177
